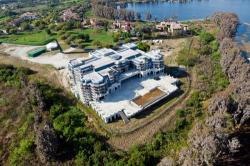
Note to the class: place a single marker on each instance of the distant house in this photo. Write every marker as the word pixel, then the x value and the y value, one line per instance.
pixel 163 25
pixel 29 16
pixel 15 22
pixel 174 28
pixel 24 17
pixel 123 26
pixel 68 15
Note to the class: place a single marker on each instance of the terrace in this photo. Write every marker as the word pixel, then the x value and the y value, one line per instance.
pixel 134 96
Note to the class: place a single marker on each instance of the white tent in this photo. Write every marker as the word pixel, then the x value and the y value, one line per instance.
pixel 51 46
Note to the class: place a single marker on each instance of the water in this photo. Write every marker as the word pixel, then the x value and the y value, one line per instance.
pixel 199 9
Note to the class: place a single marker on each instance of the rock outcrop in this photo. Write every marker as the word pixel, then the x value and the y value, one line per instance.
pixel 47 143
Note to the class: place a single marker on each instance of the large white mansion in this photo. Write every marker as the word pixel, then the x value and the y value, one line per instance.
pixel 98 81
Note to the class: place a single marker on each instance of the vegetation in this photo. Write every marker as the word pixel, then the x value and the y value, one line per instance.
pixel 28 38
pixel 187 56
pixel 95 35
pixel 143 46
pixel 203 53
pixel 110 12
pixel 23 100
pixel 77 138
pixel 22 152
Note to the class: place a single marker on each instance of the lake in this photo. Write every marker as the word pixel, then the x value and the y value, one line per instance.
pixel 198 9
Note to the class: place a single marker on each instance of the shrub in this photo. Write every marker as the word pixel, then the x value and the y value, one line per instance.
pixel 143 46
pixel 206 37
pixel 69 123
pixel 23 151
pixel 97 43
pixel 181 124
pixel 56 110
pixel 181 113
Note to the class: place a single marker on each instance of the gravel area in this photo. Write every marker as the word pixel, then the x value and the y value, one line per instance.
pixel 58 60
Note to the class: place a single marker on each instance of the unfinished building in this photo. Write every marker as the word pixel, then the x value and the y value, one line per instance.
pixel 112 81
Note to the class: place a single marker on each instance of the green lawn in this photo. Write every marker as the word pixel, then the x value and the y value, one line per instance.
pixel 42 38
pixel 28 38
pixel 96 35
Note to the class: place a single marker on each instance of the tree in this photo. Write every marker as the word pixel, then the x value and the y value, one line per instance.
pixel 87 38
pixel 78 24
pixel 143 46
pixel 48 31
pixel 25 26
pixel 56 110
pixel 52 26
pixel 69 123
pixel 148 16
pixel 106 24
pixel 116 37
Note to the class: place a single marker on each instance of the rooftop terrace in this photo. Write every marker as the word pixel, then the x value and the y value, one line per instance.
pixel 132 89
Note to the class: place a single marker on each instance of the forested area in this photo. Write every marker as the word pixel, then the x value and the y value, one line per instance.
pixel 221 137
pixel 57 129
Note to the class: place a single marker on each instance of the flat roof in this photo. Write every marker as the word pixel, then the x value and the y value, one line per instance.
pixel 105 58
pixel 128 53
pixel 94 77
pixel 130 89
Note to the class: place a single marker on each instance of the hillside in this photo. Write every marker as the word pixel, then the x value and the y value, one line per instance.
pixel 221 137
pixel 42 124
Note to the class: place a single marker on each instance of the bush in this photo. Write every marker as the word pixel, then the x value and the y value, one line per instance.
pixel 143 46
pixel 97 43
pixel 22 152
pixel 181 124
pixel 69 123
pixel 56 110
pixel 206 37
pixel 11 76
pixel 181 113
pixel 194 100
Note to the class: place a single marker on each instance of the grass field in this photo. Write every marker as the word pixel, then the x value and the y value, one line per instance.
pixel 28 38
pixel 96 35
pixel 42 38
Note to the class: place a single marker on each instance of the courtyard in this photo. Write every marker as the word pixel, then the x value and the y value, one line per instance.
pixel 135 95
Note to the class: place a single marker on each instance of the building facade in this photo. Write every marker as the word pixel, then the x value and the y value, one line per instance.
pixel 93 79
